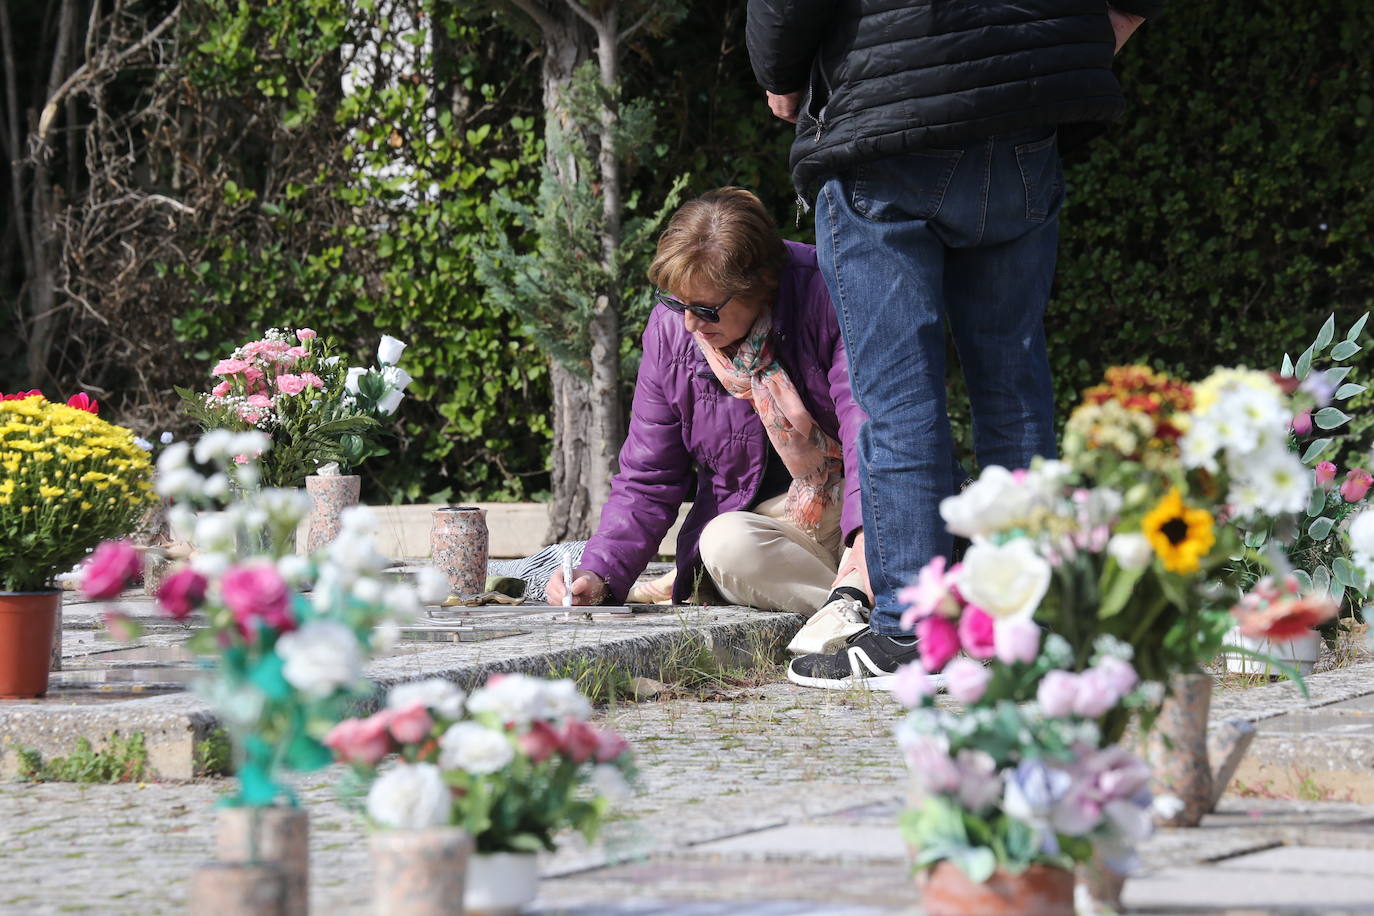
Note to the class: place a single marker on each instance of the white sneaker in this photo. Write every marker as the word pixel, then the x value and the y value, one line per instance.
pixel 830 627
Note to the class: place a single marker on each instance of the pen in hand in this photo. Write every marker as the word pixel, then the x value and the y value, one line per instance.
pixel 567 581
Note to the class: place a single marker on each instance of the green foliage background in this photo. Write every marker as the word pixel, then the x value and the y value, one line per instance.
pixel 1219 222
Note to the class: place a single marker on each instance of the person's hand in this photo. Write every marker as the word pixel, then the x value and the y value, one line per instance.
pixel 1124 25
pixel 785 106
pixel 587 589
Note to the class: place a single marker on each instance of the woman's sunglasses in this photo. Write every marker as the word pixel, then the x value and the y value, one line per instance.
pixel 706 313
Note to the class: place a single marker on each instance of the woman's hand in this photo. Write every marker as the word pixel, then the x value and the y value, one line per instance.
pixel 587 588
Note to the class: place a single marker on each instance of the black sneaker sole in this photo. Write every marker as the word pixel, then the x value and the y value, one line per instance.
pixel 861 677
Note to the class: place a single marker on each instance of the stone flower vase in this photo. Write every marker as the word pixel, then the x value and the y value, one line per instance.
pixel 1041 890
pixel 329 497
pixel 276 835
pixel 458 548
pixel 419 872
pixel 1176 749
pixel 1103 885
pixel 28 622
pixel 221 889
pixel 501 883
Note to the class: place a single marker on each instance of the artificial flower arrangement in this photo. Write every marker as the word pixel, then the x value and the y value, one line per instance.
pixel 1317 544
pixel 316 409
pixel 70 480
pixel 289 664
pixel 508 763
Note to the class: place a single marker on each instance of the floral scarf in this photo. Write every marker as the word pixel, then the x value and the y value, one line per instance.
pixel 814 459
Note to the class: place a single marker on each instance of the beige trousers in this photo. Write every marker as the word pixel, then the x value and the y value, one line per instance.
pixel 760 559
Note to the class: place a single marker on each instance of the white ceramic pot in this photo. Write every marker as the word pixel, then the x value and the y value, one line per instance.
pixel 1301 653
pixel 500 883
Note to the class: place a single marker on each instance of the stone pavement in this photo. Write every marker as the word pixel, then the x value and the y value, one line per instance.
pixel 770 800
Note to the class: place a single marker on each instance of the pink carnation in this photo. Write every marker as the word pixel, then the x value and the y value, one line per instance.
pixel 113 565
pixel 933 593
pixel 230 367
pixel 912 685
pixel 609 745
pixel 411 724
pixel 256 592
pixel 362 741
pixel 967 680
pixel 222 389
pixel 1058 693
pixel 976 632
pixel 260 400
pixel 305 334
pixel 540 742
pixel 579 741
pixel 181 593
pixel 291 384
pixel 313 380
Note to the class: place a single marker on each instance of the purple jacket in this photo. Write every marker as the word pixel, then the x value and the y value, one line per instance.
pixel 683 418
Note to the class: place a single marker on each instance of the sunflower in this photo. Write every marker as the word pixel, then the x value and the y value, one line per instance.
pixel 1181 536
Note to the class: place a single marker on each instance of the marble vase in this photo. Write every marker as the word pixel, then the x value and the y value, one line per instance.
pixel 458 548
pixel 329 497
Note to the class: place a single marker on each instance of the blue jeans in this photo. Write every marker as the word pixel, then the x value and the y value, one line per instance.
pixel 969 235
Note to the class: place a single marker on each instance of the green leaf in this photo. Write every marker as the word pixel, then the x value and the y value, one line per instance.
pixel 1327 332
pixel 1321 579
pixel 1357 327
pixel 1316 502
pixel 1116 587
pixel 1304 365
pixel 267 675
pixel 1315 450
pixel 1287 370
pixel 1304 579
pixel 1255 539
pixel 1330 417
pixel 1345 572
pixel 1320 528
pixel 1345 349
pixel 306 754
pixel 1348 391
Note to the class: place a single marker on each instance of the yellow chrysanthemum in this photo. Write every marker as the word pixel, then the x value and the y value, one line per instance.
pixel 1179 535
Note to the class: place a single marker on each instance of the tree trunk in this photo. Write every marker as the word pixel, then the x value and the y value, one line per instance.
pixel 574 510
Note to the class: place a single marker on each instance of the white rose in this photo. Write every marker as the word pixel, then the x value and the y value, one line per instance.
pixel 320 657
pixel 516 698
pixel 215 531
pixel 432 585
pixel 388 402
pixel 294 569
pixel 1007 581
pixel 410 797
pixel 991 503
pixel 1131 551
pixel 217 444
pixel 564 701
pixel 284 505
pixel 389 350
pixel 437 694
pixel 180 483
pixel 358 520
pixel 474 748
pixel 1362 533
pixel 174 457
pixel 397 377
pixel 351 381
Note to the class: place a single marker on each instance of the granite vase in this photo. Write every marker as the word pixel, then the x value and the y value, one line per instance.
pixel 419 872
pixel 458 548
pixel 276 835
pixel 223 889
pixel 329 497
pixel 1176 749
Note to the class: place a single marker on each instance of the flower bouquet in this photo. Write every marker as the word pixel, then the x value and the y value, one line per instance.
pixel 510 764
pixel 316 410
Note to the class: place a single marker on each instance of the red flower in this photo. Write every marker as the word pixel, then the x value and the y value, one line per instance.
pixel 579 741
pixel 539 742
pixel 1283 621
pixel 181 593
pixel 21 395
pixel 113 565
pixel 82 401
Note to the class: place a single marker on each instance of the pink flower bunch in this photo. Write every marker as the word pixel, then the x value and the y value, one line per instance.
pixel 260 371
pixel 367 741
pixel 1089 694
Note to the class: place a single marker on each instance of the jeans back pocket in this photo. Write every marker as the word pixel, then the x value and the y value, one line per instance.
pixel 1042 174
pixel 907 187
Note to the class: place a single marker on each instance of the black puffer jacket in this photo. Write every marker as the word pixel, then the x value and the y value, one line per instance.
pixel 883 77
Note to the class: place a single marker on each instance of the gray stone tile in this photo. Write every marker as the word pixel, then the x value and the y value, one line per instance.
pixel 803 843
pixel 1311 860
pixel 1199 889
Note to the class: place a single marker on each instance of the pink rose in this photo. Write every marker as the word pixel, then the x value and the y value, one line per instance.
pixel 912 685
pixel 968 680
pixel 113 565
pixel 256 592
pixel 291 384
pixel 1302 423
pixel 1057 692
pixel 1118 675
pixel 363 741
pixel 230 367
pixel 976 632
pixel 410 724
pixel 1325 473
pixel 1096 693
pixel 250 417
pixel 305 334
pixel 181 593
pixel 222 389
pixel 579 741
pixel 313 380
pixel 938 641
pixel 260 401
pixel 540 742
pixel 1016 641
pixel 933 593
pixel 1356 485
pixel 609 745
pixel 83 401
pixel 298 352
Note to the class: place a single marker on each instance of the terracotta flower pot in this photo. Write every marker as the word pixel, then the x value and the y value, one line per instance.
pixel 275 835
pixel 1176 749
pixel 458 548
pixel 27 623
pixel 1041 890
pixel 329 497
pixel 419 872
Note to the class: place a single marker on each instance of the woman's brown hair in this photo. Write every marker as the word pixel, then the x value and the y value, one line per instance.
pixel 724 239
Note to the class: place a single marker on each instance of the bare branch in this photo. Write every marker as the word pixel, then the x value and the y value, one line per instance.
pixel 638 24
pixel 586 15
pixel 536 12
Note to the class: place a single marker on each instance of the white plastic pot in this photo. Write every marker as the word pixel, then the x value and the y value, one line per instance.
pixel 500 883
pixel 1301 653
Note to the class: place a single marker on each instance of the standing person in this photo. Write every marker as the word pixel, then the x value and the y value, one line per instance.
pixel 743 385
pixel 928 135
